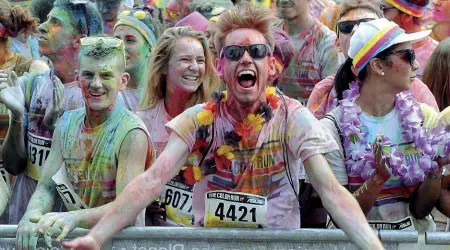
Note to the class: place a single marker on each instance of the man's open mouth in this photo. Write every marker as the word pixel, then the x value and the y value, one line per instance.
pixel 247 78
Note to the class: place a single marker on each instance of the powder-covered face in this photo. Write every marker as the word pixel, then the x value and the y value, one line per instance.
pixel 353 15
pixel 291 9
pixel 108 9
pixel 172 13
pixel 56 33
pixel 136 47
pixel 441 11
pixel 186 67
pixel 210 33
pixel 247 78
pixel 399 72
pixel 100 81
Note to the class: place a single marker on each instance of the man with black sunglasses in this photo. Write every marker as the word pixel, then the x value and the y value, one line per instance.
pixel 316 54
pixel 244 148
pixel 47 95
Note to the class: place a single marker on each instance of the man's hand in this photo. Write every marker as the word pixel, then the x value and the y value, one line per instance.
pixel 52 224
pixel 11 94
pixel 83 243
pixel 27 232
pixel 57 105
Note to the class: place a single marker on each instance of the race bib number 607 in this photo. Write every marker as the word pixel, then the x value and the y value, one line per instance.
pixel 229 209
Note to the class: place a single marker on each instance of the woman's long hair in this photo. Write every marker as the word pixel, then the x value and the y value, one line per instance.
pixel 345 76
pixel 436 74
pixel 156 87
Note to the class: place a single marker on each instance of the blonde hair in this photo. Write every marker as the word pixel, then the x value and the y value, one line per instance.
pixel 156 87
pixel 245 16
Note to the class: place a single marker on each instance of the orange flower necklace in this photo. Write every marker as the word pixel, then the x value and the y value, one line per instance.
pixel 225 153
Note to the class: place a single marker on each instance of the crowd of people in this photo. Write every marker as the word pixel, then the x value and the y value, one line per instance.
pixel 243 114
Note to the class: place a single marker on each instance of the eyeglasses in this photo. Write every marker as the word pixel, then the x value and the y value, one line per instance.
pixel 410 55
pixel 235 52
pixel 170 13
pixel 108 41
pixel 346 27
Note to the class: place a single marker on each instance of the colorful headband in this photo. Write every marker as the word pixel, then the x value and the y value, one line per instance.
pixel 139 26
pixel 408 8
pixel 376 44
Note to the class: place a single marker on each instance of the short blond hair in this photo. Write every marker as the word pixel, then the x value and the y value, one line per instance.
pixel 245 16
pixel 156 87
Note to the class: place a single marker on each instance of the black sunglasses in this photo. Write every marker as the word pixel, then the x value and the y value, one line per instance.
pixel 235 52
pixel 410 55
pixel 346 27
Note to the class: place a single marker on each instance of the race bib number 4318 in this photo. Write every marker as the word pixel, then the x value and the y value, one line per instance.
pixel 229 209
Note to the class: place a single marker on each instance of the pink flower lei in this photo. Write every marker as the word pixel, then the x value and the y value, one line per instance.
pixel 359 152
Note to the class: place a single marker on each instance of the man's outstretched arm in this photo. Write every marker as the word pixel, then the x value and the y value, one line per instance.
pixel 137 195
pixel 342 206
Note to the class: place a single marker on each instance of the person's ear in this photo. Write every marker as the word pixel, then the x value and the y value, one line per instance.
pixel 77 41
pixel 124 81
pixel 219 67
pixel 376 66
pixel 77 79
pixel 272 69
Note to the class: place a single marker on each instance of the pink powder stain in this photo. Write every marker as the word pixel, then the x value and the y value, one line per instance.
pixel 246 41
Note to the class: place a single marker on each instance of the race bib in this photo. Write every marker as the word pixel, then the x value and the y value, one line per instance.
pixel 38 151
pixel 229 209
pixel 4 174
pixel 403 224
pixel 65 190
pixel 178 201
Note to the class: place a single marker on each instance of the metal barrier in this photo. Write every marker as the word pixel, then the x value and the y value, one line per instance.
pixel 437 238
pixel 165 238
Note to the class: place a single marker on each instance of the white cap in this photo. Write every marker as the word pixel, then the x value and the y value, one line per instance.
pixel 368 30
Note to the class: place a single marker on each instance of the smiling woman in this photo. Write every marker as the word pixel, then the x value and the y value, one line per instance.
pixel 181 75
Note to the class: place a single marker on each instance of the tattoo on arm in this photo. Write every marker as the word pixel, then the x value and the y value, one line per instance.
pixel 361 190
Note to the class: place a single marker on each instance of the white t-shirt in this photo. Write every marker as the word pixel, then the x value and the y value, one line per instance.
pixel 393 202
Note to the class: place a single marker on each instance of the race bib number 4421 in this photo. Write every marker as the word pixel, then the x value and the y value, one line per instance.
pixel 229 209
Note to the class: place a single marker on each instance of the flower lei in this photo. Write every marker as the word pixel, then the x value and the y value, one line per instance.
pixel 359 152
pixel 225 153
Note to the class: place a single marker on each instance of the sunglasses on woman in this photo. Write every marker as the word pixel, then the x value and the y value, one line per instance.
pixel 235 52
pixel 346 27
pixel 410 55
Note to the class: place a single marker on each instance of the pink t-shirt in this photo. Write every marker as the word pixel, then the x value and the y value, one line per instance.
pixel 155 120
pixel 423 53
pixel 316 57
pixel 129 98
pixel 259 168
pixel 323 98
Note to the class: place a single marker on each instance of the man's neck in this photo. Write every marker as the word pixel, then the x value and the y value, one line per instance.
pixel 299 24
pixel 95 118
pixel 175 100
pixel 65 67
pixel 375 101
pixel 138 76
pixel 240 111
pixel 441 31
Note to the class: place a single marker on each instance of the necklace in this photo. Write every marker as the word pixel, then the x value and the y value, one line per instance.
pixel 238 137
pixel 359 152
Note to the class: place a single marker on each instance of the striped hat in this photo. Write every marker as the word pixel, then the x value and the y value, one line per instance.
pixel 375 36
pixel 408 8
